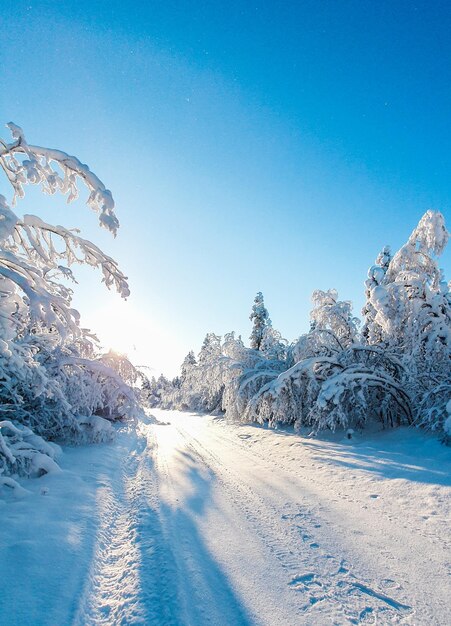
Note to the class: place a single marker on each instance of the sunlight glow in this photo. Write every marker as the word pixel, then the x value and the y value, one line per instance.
pixel 126 330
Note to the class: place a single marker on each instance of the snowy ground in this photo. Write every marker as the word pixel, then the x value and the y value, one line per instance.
pixel 199 522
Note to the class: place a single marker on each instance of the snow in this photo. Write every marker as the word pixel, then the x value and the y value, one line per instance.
pixel 190 520
pixel 16 131
pixel 8 219
pixel 447 424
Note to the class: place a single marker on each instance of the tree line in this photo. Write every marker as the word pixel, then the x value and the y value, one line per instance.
pixel 392 367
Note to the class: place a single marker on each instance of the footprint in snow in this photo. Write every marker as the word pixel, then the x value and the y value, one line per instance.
pixel 304 582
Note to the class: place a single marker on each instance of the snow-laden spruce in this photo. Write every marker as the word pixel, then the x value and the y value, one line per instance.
pixel 53 383
pixel 395 370
pixel 260 320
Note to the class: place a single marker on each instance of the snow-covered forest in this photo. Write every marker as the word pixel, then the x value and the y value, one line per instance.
pixel 390 368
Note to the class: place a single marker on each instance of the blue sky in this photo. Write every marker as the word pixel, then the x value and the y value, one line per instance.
pixel 268 146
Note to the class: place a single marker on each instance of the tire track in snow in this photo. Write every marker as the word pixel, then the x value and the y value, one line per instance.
pixel 130 577
pixel 155 564
pixel 150 565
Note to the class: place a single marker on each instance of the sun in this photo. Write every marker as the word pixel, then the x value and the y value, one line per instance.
pixel 121 327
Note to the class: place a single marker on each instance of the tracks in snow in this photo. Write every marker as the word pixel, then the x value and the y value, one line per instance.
pixel 197 528
pixel 328 590
pixel 129 581
pixel 149 564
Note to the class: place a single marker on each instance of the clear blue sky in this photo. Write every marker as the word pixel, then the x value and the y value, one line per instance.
pixel 272 146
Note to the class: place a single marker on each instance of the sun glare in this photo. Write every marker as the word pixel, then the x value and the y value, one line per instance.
pixel 125 330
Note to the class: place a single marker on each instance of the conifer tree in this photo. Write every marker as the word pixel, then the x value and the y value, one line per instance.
pixel 260 319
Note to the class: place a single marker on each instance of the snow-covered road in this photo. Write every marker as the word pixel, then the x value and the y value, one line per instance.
pixel 193 521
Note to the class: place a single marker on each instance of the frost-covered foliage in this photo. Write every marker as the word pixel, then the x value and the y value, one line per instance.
pixel 53 384
pixel 202 382
pixel 395 370
pixel 349 388
pixel 333 382
pixel 332 326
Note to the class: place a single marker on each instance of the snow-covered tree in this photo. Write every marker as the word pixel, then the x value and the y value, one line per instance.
pixel 409 300
pixel 415 313
pixel 332 327
pixel 260 319
pixel 188 364
pixel 371 331
pixel 273 345
pixel 50 373
pixel 334 382
pixel 209 384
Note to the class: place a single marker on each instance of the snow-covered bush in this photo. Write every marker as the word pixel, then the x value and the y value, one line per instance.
pixel 434 409
pixel 334 383
pixel 50 372
pixel 24 452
